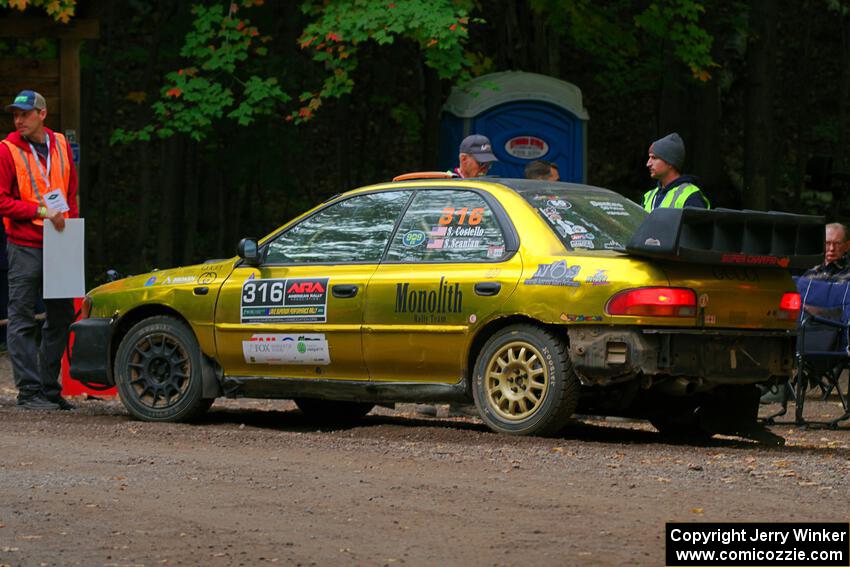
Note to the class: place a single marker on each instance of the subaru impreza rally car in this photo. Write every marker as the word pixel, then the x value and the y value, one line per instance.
pixel 532 299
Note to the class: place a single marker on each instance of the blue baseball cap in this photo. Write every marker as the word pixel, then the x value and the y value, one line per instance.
pixel 27 100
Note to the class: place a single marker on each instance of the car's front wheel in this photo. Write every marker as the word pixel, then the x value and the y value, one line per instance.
pixel 158 371
pixel 524 382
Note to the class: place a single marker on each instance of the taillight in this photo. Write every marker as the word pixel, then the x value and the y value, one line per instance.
pixel 85 307
pixel 789 306
pixel 654 302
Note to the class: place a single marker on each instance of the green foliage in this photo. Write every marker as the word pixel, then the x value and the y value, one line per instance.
pixel 59 10
pixel 614 35
pixel 218 84
pixel 438 27
pixel 21 48
pixel 676 24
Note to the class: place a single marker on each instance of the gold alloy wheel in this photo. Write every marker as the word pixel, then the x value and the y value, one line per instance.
pixel 516 380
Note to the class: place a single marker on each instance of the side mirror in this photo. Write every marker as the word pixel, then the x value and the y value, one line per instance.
pixel 249 251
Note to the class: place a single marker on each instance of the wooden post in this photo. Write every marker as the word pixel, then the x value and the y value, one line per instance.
pixel 69 85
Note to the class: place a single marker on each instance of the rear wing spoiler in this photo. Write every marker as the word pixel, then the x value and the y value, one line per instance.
pixel 729 237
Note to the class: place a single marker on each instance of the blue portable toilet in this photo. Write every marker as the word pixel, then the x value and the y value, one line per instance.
pixel 526 116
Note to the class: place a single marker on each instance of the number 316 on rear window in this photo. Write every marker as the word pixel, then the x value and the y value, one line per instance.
pixel 464 216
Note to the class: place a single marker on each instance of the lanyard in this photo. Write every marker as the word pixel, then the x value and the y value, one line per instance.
pixel 44 173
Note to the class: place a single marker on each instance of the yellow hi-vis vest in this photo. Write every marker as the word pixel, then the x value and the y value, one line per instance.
pixel 31 182
pixel 675 198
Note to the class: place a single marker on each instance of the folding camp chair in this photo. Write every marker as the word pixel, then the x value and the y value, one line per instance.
pixel 823 344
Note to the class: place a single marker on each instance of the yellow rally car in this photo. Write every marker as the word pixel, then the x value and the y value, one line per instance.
pixel 533 299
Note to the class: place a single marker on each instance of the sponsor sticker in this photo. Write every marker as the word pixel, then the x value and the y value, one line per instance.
pixel 286 349
pixel 151 281
pixel 294 300
pixel 580 318
pixel 755 260
pixel 610 208
pixel 177 280
pixel 427 304
pixel 207 278
pixel 559 204
pixel 494 251
pixel 584 243
pixel 556 273
pixel 652 242
pixel 413 238
pixel 613 245
pixel 599 278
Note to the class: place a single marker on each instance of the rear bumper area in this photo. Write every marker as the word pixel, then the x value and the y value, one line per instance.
pixel 602 355
pixel 90 355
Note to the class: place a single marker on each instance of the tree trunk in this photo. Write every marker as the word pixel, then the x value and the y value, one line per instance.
pixel 843 92
pixel 433 102
pixel 758 121
pixel 171 183
pixel 190 204
pixel 143 165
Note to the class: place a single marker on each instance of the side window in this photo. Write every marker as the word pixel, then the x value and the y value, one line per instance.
pixel 353 230
pixel 447 226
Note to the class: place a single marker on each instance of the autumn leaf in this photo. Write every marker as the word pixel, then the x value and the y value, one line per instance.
pixel 174 92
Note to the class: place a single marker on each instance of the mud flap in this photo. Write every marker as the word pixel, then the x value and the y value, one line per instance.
pixel 733 410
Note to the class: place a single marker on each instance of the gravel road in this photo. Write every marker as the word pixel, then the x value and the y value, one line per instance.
pixel 254 483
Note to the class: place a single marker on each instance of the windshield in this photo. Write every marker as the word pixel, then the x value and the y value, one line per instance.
pixel 587 219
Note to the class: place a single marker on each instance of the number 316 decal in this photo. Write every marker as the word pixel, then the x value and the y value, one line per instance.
pixel 464 216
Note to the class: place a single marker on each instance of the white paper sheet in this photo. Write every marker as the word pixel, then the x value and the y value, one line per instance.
pixel 64 260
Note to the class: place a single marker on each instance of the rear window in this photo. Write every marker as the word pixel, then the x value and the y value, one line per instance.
pixel 588 220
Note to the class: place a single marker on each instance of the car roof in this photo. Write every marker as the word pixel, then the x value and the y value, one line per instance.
pixel 520 186
pixel 536 185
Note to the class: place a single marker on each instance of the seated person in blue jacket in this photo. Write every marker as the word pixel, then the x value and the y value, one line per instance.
pixel 836 263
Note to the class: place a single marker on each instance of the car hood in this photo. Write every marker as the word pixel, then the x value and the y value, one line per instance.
pixel 206 274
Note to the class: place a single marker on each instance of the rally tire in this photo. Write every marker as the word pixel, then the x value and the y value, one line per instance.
pixel 158 371
pixel 524 382
pixel 333 411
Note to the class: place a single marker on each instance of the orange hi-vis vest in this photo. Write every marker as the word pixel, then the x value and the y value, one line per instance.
pixel 30 172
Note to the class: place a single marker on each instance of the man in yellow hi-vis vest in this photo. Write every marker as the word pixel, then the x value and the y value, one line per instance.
pixel 38 184
pixel 674 190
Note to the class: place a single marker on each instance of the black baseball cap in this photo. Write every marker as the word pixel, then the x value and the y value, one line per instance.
pixel 479 147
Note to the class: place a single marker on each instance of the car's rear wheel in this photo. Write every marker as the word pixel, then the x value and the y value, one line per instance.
pixel 158 371
pixel 333 411
pixel 524 382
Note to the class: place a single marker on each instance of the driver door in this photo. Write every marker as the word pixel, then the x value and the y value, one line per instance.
pixel 299 313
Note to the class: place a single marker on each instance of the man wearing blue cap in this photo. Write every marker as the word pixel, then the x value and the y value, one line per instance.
pixel 38 183
pixel 674 190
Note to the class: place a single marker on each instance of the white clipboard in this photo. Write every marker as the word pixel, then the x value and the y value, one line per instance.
pixel 64 266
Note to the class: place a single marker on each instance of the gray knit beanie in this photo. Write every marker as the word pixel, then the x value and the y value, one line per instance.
pixel 671 149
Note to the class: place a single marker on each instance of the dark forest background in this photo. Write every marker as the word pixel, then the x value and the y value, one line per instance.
pixel 758 90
